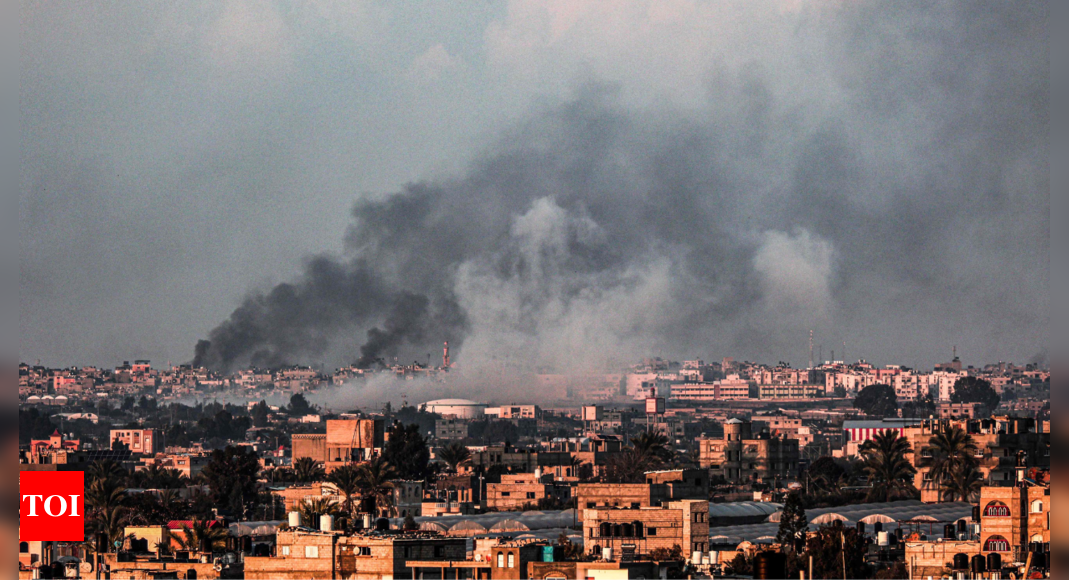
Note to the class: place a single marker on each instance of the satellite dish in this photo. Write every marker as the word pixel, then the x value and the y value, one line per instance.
pixel 117 544
pixel 85 567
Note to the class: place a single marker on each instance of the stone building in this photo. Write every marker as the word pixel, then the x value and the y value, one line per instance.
pixel 523 492
pixel 660 486
pixel 321 555
pixel 346 441
pixel 633 533
pixel 740 457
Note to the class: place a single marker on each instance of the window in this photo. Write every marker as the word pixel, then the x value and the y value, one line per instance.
pixel 996 509
pixel 285 550
pixel 506 494
pixel 366 551
pixel 530 495
pixel 311 551
pixel 439 551
pixel 996 544
pixel 1037 507
pixel 651 531
pixel 512 560
pixel 500 559
pixel 24 548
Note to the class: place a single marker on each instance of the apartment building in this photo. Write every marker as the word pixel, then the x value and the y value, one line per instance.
pixel 304 554
pixel 635 532
pixel 523 492
pixel 740 457
pixel 1006 446
pixel 660 487
pixel 141 441
pixel 346 441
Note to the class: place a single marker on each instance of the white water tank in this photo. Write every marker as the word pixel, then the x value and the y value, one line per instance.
pixel 326 523
pixel 295 519
pixel 367 521
pixel 883 539
pixel 696 558
pixel 714 558
pixel 606 554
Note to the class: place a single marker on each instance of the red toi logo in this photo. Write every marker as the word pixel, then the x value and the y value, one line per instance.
pixel 51 506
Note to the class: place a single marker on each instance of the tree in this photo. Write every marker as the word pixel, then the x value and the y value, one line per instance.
pixel 112 523
pixel 953 453
pixel 570 551
pixel 975 390
pixel 407 452
pixel 888 467
pixel 964 484
pixel 203 533
pixel 454 454
pixel 833 546
pixel 307 470
pixel 376 488
pixel 299 405
pixel 627 466
pixel 348 481
pixel 313 508
pixel 877 401
pixel 825 475
pixel 793 524
pixel 232 474
pixel 260 414
pixel 654 446
pixel 922 408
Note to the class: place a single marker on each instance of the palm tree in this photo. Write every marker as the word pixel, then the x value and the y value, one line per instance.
pixel 376 488
pixel 953 453
pixel 202 533
pixel 307 470
pixel 104 494
pixel 653 446
pixel 106 470
pixel 887 466
pixel 112 522
pixel 454 454
pixel 312 508
pixel 348 481
pixel 963 485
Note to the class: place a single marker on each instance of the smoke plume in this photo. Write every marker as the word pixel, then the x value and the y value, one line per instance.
pixel 592 233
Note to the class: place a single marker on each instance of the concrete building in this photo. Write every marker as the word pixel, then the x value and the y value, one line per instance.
pixel 635 532
pixel 660 487
pixel 524 491
pixel 1006 445
pixel 301 554
pixel 455 408
pixel 141 441
pixel 739 457
pixel 450 429
pixel 346 441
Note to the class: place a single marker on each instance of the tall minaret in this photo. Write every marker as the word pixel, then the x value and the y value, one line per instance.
pixel 810 349
pixel 445 356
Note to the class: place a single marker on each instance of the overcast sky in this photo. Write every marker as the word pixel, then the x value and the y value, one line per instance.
pixel 877 172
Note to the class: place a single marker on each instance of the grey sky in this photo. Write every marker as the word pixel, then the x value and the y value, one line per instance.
pixel 875 171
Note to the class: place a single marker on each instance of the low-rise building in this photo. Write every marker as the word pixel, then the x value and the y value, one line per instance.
pixel 524 491
pixel 636 532
pixel 141 441
pixel 740 457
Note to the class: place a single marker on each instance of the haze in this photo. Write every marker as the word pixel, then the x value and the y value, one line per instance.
pixel 556 184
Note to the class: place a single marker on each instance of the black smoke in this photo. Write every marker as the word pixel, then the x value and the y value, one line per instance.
pixel 912 212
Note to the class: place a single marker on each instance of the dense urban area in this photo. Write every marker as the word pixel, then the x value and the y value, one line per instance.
pixel 661 470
